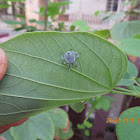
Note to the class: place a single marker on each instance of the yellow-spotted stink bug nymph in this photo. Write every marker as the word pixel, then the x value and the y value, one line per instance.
pixel 70 57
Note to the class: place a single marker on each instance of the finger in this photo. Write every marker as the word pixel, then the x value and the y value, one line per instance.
pixel 2 138
pixel 3 63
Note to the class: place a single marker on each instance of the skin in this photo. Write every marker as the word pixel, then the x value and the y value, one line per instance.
pixel 70 57
pixel 3 68
pixel 3 63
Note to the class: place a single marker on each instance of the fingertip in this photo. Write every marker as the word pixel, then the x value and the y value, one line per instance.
pixel 3 63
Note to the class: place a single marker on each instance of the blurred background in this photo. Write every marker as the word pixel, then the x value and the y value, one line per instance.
pixel 95 16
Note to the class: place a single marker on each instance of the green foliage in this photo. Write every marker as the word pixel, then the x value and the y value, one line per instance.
pixel 87 133
pixel 77 107
pixel 31 83
pixel 54 9
pixel 38 127
pixel 96 13
pixel 21 16
pixel 85 126
pixel 102 33
pixel 112 15
pixel 11 22
pixel 82 25
pixel 124 30
pixel 104 103
pixel 64 135
pixel 137 36
pixel 61 27
pixel 14 0
pixel 134 88
pixel 130 46
pixel 129 127
pixel 4 5
pixel 43 126
pixel 130 75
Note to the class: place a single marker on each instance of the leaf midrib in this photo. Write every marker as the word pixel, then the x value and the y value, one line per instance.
pixel 58 65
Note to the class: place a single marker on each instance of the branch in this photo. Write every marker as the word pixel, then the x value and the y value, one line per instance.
pixel 45 14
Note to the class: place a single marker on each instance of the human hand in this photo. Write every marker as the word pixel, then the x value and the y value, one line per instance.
pixel 3 68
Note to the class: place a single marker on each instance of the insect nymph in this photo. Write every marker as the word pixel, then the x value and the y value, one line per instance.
pixel 70 57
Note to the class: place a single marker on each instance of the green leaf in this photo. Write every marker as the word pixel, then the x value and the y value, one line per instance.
pixel 32 20
pixel 130 75
pixel 30 28
pixel 87 133
pixel 96 13
pixel 21 16
pixel 62 3
pixel 103 33
pixel 59 117
pixel 125 30
pixel 15 0
pixel 37 127
pixel 137 36
pixel 63 11
pixel 104 103
pixel 87 124
pixel 42 23
pixel 81 126
pixel 131 46
pixel 11 22
pixel 4 5
pixel 82 25
pixel 77 107
pixel 134 88
pixel 53 9
pixel 36 80
pixel 129 130
pixel 64 135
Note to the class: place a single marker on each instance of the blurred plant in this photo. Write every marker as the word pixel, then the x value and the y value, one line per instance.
pixel 53 124
pixel 50 10
pixel 81 25
pixel 104 103
pixel 85 127
pixel 133 10
pixel 102 33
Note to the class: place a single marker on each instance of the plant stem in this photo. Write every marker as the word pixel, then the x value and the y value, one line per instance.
pixel 95 102
pixel 45 14
pixel 123 89
pixel 126 93
pixel 137 83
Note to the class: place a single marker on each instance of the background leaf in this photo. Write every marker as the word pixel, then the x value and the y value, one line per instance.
pixel 50 123
pixel 137 36
pixel 11 22
pixel 103 33
pixel 130 75
pixel 125 30
pixel 131 46
pixel 125 127
pixel 82 25
pixel 36 80
pixel 77 107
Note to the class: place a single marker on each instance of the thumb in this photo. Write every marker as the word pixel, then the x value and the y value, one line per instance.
pixel 3 63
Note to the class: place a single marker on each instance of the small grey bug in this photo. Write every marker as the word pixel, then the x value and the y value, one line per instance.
pixel 70 57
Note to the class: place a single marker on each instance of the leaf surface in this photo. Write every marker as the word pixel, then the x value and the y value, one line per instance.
pixel 37 80
pixel 124 30
pixel 128 129
pixel 130 75
pixel 131 46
